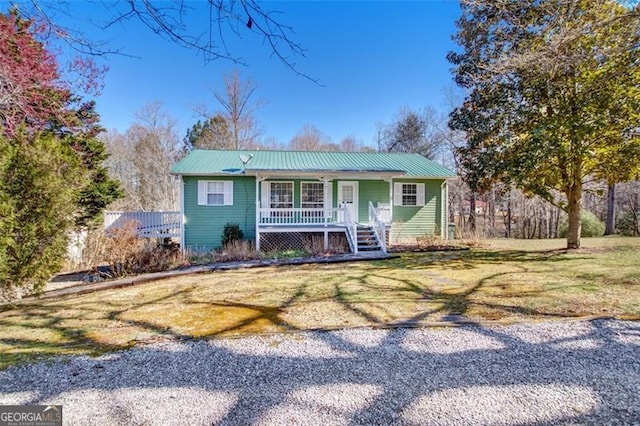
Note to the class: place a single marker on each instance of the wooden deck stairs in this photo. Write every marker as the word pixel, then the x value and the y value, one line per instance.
pixel 367 240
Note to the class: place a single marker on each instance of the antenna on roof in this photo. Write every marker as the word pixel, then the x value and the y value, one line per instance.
pixel 245 159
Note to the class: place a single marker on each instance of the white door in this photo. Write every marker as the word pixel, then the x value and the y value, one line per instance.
pixel 348 197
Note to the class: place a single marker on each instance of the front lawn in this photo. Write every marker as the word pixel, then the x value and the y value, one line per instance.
pixel 506 280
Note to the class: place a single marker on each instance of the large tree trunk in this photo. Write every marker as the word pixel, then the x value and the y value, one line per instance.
pixel 610 226
pixel 574 198
pixel 472 211
pixel 507 229
pixel 492 213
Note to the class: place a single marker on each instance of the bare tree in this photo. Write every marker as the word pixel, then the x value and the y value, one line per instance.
pixel 141 159
pixel 413 131
pixel 239 107
pixel 350 144
pixel 120 166
pixel 223 19
pixel 309 138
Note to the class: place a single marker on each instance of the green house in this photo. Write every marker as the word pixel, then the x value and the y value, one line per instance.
pixel 288 199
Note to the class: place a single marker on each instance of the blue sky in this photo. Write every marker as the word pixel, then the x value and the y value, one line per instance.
pixel 370 57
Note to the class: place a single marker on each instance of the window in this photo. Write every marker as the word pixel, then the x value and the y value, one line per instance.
pixel 215 192
pixel 408 194
pixel 281 195
pixel 312 195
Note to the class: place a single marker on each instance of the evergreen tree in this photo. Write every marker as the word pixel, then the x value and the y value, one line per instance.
pixel 212 133
pixel 37 203
pixel 52 175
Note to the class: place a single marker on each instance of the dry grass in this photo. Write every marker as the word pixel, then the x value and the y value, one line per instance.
pixel 507 280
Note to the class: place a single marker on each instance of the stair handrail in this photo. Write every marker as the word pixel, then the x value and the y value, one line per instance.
pixel 378 226
pixel 351 230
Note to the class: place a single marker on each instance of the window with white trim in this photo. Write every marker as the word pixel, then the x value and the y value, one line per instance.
pixel 311 195
pixel 215 192
pixel 408 194
pixel 281 195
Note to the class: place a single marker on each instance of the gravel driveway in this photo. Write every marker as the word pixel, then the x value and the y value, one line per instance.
pixel 584 372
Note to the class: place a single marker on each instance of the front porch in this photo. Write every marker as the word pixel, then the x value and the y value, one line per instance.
pixel 302 226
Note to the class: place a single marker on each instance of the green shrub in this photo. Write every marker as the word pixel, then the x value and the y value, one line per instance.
pixel 231 233
pixel 35 204
pixel 591 225
pixel 627 225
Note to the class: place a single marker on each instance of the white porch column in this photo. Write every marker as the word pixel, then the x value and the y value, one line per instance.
pixel 325 203
pixel 391 200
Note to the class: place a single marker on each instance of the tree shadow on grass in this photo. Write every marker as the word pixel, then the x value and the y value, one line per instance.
pixel 473 258
pixel 375 293
pixel 398 375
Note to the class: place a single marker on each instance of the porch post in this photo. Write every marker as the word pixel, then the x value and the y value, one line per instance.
pixel 257 213
pixel 391 200
pixel 325 204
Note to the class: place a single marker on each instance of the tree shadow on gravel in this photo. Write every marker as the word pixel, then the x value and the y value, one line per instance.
pixel 558 372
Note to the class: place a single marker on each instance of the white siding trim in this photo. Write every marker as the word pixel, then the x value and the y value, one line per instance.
pixel 397 194
pixel 202 192
pixel 420 194
pixel 228 193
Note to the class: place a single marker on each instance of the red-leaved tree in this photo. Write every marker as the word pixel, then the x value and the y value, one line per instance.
pixel 31 92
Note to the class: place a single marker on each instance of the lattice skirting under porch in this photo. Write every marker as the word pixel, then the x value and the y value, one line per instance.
pixel 309 242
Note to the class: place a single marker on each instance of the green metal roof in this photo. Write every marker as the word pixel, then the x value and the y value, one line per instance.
pixel 210 162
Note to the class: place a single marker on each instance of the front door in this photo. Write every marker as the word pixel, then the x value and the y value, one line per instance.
pixel 348 197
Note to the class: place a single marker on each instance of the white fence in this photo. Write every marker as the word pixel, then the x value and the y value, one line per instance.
pixel 149 224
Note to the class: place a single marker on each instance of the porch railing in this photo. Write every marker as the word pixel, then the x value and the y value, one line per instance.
pixel 352 230
pixel 306 216
pixel 148 224
pixel 301 216
pixel 379 227
pixel 384 212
